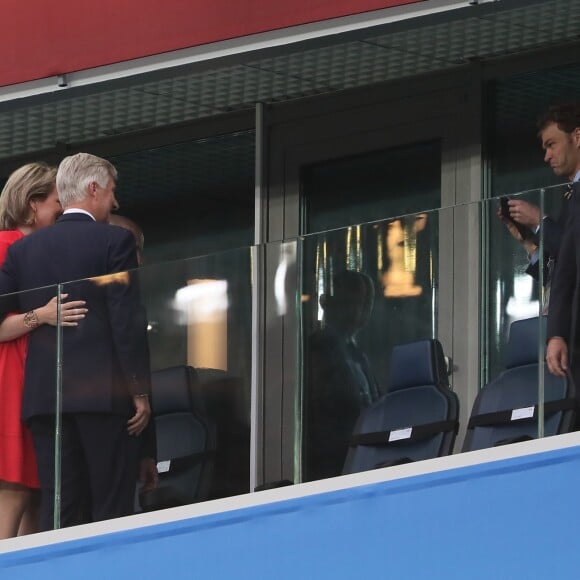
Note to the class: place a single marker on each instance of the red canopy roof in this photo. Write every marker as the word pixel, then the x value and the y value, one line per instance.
pixel 41 39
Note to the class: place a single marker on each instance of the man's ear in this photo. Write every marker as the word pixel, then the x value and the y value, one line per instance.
pixel 92 189
pixel 576 136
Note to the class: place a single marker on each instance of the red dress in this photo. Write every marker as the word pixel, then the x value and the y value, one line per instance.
pixel 17 460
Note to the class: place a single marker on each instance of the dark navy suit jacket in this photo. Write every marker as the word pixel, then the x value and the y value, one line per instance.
pixel 105 359
pixel 564 313
pixel 552 232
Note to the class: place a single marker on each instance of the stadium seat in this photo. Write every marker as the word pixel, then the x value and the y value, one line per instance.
pixel 185 440
pixel 416 419
pixel 506 409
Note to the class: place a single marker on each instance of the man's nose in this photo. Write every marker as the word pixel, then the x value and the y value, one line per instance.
pixel 547 156
pixel 115 203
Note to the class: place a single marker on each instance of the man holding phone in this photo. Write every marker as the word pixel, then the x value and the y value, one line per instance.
pixel 563 330
pixel 523 219
pixel 525 233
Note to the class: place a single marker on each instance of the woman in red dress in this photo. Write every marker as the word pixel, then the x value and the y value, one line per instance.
pixel 28 202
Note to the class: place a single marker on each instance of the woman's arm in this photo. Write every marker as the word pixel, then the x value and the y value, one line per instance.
pixel 17 325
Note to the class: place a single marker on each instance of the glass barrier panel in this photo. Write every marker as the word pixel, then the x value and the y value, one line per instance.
pixel 365 289
pixel 373 297
pixel 508 400
pixel 173 338
pixel 387 342
pixel 29 399
pixel 520 286
pixel 514 288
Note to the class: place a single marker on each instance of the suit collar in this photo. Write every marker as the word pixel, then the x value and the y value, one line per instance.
pixel 75 217
pixel 79 210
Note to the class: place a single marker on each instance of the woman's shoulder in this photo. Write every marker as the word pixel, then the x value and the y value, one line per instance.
pixel 8 237
pixel 11 234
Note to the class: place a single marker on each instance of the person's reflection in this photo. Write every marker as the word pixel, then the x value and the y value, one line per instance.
pixel 339 380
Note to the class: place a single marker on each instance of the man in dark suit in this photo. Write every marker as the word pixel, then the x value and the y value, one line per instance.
pixel 562 145
pixel 526 215
pixel 105 367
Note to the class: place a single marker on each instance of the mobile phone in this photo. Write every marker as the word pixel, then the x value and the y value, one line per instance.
pixel 505 208
pixel 525 232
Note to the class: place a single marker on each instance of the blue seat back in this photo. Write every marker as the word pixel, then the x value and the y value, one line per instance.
pixel 419 394
pixel 516 388
pixel 185 440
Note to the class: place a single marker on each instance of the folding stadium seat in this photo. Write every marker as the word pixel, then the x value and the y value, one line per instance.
pixel 416 419
pixel 506 409
pixel 185 440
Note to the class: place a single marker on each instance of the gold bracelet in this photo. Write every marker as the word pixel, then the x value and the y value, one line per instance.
pixel 31 320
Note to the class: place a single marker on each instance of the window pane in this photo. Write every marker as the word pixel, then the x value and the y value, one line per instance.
pixel 393 268
pixel 395 181
pixel 190 198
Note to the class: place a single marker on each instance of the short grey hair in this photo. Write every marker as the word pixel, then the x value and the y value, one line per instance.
pixel 76 172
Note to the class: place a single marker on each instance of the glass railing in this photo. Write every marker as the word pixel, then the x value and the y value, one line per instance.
pixel 175 337
pixel 373 389
pixel 30 370
pixel 379 344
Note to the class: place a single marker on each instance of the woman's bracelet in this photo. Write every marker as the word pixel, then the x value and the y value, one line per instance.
pixel 31 320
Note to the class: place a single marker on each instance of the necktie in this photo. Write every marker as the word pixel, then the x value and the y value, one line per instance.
pixel 571 188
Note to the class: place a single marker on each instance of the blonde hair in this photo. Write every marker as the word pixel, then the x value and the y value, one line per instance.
pixel 76 172
pixel 33 181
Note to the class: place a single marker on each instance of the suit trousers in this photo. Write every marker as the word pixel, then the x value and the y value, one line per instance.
pixel 99 467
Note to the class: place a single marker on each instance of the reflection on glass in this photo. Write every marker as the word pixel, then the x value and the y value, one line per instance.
pixel 286 261
pixel 340 381
pixel 354 250
pixel 201 315
pixel 396 257
pixel 351 325
pixel 399 278
pixel 400 256
pixel 204 305
pixel 522 303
